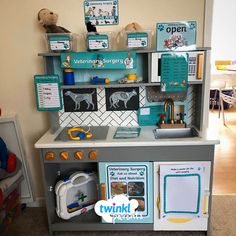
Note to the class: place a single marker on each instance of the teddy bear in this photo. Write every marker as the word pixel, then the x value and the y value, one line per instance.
pixel 48 20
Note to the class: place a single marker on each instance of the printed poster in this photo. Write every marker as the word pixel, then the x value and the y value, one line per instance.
pixel 104 12
pixel 134 181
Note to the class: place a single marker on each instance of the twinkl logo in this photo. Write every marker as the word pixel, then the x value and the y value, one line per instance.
pixel 119 207
pixel 115 209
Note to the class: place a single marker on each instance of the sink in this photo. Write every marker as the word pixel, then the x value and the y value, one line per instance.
pixel 175 133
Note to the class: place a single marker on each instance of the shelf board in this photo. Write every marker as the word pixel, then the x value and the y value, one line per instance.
pixel 116 85
pixel 111 85
pixel 55 54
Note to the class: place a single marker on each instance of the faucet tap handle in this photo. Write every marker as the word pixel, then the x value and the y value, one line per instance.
pixel 181 117
pixel 162 118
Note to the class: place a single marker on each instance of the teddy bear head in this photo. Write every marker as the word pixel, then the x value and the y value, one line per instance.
pixel 47 17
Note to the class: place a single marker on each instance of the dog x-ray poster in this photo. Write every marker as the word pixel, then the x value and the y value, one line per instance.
pixel 80 100
pixel 119 99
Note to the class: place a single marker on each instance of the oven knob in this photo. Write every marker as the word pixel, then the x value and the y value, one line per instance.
pixel 93 155
pixel 79 155
pixel 64 155
pixel 49 156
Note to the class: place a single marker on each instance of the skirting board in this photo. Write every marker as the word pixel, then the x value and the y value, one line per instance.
pixel 39 202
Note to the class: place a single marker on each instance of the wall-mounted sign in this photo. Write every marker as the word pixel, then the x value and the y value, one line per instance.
pixel 99 60
pixel 102 12
pixel 48 93
pixel 176 35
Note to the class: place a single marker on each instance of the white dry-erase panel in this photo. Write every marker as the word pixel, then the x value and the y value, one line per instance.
pixel 102 117
pixel 182 223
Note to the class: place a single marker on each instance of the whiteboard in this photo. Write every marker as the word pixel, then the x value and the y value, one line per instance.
pixel 182 190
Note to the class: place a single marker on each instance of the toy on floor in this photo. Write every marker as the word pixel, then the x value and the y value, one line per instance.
pixel 48 20
pixel 76 195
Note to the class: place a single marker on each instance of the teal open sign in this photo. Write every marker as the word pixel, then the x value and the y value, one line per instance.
pixel 48 93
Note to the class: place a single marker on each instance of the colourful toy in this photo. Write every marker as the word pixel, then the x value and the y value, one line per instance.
pixel 76 195
pixel 131 78
pixel 7 159
pixel 3 154
pixel 11 162
pixel 82 134
pixel 97 80
pixel 68 77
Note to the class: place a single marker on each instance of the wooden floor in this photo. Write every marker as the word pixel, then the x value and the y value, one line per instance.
pixel 224 181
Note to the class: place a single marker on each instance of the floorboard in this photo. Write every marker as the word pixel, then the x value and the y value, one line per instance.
pixel 224 180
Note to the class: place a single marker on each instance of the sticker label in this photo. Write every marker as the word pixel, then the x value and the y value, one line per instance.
pixel 137 40
pixel 98 42
pixel 59 45
pixel 59 42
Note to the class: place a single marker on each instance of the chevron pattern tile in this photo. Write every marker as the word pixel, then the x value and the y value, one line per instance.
pixel 190 106
pixel 102 117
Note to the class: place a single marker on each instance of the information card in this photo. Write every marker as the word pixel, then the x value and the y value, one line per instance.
pixel 47 90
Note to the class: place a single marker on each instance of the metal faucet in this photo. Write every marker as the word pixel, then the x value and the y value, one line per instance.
pixel 169 102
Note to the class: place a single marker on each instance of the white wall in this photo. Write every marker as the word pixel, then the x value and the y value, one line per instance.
pixel 22 39
pixel 224 30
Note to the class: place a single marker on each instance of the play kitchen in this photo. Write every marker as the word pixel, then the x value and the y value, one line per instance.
pixel 127 143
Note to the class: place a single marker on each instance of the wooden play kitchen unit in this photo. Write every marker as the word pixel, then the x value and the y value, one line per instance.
pixel 137 129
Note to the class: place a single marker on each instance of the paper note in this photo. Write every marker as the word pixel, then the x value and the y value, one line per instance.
pixel 145 111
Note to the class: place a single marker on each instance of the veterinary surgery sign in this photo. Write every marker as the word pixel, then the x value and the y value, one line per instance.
pixel 99 60
pixel 102 12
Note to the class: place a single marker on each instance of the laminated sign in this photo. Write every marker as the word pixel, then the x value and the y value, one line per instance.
pixel 99 60
pixel 176 35
pixel 102 12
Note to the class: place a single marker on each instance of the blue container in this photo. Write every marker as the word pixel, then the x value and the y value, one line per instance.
pixel 68 77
